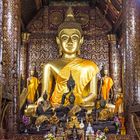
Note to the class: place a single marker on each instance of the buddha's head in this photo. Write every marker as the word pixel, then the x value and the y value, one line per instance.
pixel 106 72
pixel 119 90
pixel 69 37
pixel 32 72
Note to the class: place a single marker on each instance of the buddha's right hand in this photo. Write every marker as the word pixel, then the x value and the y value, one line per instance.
pixel 86 103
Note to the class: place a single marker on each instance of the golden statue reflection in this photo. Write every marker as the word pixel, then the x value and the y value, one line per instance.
pixel 69 40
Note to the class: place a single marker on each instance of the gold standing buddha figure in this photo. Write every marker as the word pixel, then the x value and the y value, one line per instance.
pixel 32 85
pixel 58 71
pixel 106 86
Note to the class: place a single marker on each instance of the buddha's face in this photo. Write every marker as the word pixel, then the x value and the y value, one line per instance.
pixel 69 40
pixel 119 90
pixel 32 73
pixel 105 72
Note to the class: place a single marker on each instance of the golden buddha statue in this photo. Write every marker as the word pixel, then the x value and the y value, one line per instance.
pixel 73 122
pixel 69 40
pixel 28 94
pixel 106 86
pixel 32 85
pixel 119 102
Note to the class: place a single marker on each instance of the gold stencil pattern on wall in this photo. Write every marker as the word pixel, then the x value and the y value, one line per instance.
pixel 56 18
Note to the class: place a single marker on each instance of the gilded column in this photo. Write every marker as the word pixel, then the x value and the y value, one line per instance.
pixel 132 42
pixel 11 43
pixel 115 62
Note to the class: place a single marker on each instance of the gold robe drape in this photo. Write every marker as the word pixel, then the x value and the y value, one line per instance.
pixel 82 72
pixel 32 88
pixel 107 85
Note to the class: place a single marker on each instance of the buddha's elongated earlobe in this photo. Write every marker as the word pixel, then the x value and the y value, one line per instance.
pixel 57 41
pixel 59 46
pixel 60 50
pixel 81 42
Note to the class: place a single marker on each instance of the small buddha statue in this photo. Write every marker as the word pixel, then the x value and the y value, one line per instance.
pixel 71 98
pixel 60 129
pixel 43 106
pixel 119 102
pixel 30 93
pixel 74 122
pixel 106 86
pixel 74 134
pixel 89 129
pixel 122 128
pixel 32 85
pixel 57 72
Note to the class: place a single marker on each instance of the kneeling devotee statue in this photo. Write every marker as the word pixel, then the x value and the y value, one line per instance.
pixel 56 73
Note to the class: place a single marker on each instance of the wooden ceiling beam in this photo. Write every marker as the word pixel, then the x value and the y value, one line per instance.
pixel 38 4
pixel 118 23
pixel 101 7
pixel 120 1
pixel 113 11
pixel 108 10
pixel 112 16
pixel 106 21
pixel 117 5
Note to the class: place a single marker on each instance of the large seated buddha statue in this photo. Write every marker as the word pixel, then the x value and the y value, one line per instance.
pixel 56 73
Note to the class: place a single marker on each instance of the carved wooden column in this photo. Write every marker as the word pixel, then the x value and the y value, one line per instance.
pixel 0 55
pixel 1 11
pixel 132 42
pixel 131 35
pixel 11 43
pixel 23 60
pixel 115 62
pixel 139 61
